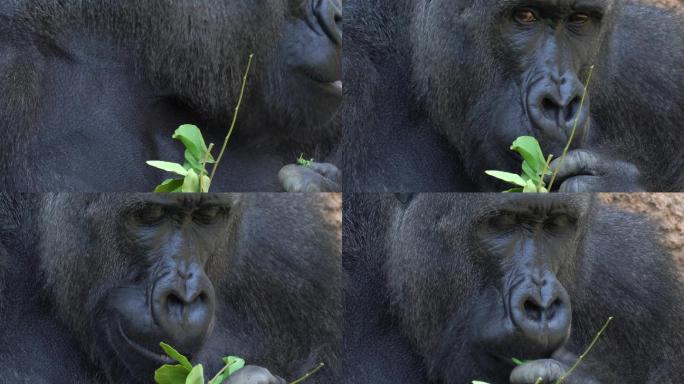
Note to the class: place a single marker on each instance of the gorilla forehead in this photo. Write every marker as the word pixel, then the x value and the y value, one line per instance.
pixel 483 204
pixel 122 201
pixel 559 4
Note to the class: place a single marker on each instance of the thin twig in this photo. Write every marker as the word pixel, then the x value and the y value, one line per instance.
pixel 235 115
pixel 546 168
pixel 306 375
pixel 206 156
pixel 219 373
pixel 574 128
pixel 584 354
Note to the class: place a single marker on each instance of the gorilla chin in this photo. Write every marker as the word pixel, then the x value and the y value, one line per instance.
pixel 135 319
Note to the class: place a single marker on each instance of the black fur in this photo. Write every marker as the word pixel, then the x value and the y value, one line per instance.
pixel 433 98
pixel 103 84
pixel 277 286
pixel 417 286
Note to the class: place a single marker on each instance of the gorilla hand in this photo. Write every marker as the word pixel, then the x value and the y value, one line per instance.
pixel 251 374
pixel 548 370
pixel 317 177
pixel 587 171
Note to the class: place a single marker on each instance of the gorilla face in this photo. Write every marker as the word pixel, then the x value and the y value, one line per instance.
pixel 310 61
pixel 525 60
pixel 490 280
pixel 156 258
pixel 297 47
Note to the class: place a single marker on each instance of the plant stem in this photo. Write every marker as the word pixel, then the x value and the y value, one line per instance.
pixel 235 115
pixel 218 373
pixel 206 156
pixel 574 128
pixel 306 375
pixel 539 381
pixel 546 168
pixel 584 354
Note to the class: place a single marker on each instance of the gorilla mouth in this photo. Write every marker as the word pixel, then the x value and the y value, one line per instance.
pixel 331 84
pixel 143 351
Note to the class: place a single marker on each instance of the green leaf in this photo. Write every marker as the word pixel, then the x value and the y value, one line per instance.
pixel 529 172
pixel 191 161
pixel 171 374
pixel 205 183
pixel 220 378
pixel 528 147
pixel 172 353
pixel 479 382
pixel 168 167
pixel 530 187
pixel 196 376
pixel 507 177
pixel 192 138
pixel 513 190
pixel 517 361
pixel 169 186
pixel 234 363
pixel 191 183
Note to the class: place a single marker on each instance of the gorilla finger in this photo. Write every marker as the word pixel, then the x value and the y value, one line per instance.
pixel 328 170
pixel 576 162
pixel 295 178
pixel 578 184
pixel 251 374
pixel 528 373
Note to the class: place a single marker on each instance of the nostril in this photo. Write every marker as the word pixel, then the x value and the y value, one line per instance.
pixel 532 310
pixel 548 104
pixel 572 109
pixel 550 109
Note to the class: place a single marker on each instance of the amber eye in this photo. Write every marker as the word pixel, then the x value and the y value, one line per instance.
pixel 525 16
pixel 579 18
pixel 150 214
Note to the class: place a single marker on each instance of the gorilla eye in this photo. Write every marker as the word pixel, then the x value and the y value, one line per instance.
pixel 525 16
pixel 209 215
pixel 579 18
pixel 150 214
pixel 503 221
pixel 561 221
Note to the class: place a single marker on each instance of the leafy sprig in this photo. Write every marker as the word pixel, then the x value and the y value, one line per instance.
pixel 304 162
pixel 534 166
pixel 185 373
pixel 193 171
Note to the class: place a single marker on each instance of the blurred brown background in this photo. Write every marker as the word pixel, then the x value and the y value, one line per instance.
pixel 665 209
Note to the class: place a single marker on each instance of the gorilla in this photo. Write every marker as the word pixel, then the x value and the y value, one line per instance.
pixel 448 288
pixel 118 77
pixel 436 91
pixel 107 277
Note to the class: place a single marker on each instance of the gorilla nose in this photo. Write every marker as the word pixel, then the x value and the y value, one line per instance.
pixel 541 309
pixel 329 15
pixel 183 305
pixel 554 105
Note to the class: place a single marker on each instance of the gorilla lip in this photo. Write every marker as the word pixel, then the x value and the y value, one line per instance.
pixel 144 351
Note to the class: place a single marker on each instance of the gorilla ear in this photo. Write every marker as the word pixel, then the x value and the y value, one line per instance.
pixel 405 198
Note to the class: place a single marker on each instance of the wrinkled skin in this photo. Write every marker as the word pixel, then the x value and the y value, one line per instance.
pixel 484 72
pixel 120 77
pixel 118 274
pixel 471 281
